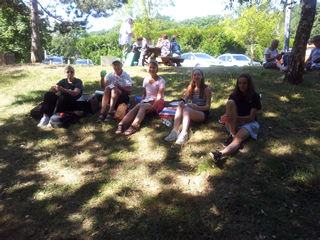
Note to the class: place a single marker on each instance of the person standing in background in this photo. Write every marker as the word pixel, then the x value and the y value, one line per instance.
pixel 125 37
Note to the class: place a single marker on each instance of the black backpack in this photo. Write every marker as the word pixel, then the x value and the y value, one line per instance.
pixel 63 119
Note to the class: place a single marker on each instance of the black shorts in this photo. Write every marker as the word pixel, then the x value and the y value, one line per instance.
pixel 206 115
pixel 124 98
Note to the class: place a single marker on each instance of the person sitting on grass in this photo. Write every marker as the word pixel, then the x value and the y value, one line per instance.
pixel 313 61
pixel 272 56
pixel 152 100
pixel 70 89
pixel 240 116
pixel 117 89
pixel 197 111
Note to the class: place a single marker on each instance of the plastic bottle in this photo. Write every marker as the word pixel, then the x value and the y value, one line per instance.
pixel 166 122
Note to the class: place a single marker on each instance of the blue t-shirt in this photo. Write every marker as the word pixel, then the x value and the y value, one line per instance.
pixel 77 83
pixel 244 107
pixel 175 48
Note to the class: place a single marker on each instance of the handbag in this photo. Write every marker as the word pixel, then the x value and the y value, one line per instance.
pixel 88 103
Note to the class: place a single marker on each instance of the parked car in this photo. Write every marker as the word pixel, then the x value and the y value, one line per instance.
pixel 197 60
pixel 55 60
pixel 239 60
pixel 83 62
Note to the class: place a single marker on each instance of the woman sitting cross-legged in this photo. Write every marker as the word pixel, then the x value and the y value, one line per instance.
pixel 197 111
pixel 152 100
pixel 240 116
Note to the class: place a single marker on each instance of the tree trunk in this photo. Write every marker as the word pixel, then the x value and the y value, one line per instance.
pixel 35 33
pixel 252 50
pixel 296 64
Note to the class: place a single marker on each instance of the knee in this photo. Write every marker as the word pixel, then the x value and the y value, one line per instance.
pixel 231 103
pixel 107 90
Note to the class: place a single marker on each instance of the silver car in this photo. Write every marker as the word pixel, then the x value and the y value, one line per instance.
pixel 238 60
pixel 197 60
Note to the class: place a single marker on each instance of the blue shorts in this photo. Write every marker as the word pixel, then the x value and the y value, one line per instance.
pixel 252 127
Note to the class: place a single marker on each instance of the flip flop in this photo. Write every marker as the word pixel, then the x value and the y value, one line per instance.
pixel 130 130
pixel 109 117
pixel 119 129
pixel 101 117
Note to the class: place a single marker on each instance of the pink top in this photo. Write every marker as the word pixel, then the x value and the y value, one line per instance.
pixel 153 89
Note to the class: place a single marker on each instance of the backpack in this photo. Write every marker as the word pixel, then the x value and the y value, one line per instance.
pixel 63 119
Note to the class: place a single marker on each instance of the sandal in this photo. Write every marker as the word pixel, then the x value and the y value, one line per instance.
pixel 119 129
pixel 101 117
pixel 130 130
pixel 109 117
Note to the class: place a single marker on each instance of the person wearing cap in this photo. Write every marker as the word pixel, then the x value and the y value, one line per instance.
pixel 136 47
pixel 152 101
pixel 117 89
pixel 271 59
pixel 313 61
pixel 125 37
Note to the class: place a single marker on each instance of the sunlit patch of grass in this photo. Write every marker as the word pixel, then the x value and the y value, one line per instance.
pixel 271 114
pixel 284 99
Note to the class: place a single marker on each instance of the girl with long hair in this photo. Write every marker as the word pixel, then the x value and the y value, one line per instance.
pixel 240 116
pixel 197 111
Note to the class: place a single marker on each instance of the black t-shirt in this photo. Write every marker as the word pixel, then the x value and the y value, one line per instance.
pixel 244 107
pixel 77 83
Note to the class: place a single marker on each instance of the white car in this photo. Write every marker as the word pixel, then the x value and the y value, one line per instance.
pixel 197 60
pixel 238 60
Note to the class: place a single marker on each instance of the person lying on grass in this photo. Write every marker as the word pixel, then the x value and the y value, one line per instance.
pixel 197 111
pixel 240 116
pixel 117 89
pixel 70 89
pixel 152 100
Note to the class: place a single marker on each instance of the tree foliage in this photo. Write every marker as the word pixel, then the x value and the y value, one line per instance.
pixel 201 23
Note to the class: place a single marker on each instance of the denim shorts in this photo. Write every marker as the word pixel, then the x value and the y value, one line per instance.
pixel 252 127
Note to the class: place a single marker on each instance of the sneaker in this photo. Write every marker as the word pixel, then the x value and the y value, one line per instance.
pixel 216 156
pixel 172 136
pixel 43 121
pixel 49 125
pixel 182 138
pixel 228 141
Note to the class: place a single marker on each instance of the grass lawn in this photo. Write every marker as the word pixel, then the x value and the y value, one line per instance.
pixel 86 182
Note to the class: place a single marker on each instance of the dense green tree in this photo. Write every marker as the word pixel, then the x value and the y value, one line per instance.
pixel 201 22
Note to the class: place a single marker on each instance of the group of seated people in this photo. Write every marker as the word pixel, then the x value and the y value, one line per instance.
pixel 272 56
pixel 167 48
pixel 240 116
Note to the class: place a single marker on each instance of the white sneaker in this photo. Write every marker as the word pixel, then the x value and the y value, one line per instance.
pixel 172 136
pixel 49 125
pixel 182 138
pixel 43 121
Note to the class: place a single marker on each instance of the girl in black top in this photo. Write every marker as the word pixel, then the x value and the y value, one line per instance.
pixel 240 116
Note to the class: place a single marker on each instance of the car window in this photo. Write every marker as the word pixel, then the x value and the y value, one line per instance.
pixel 241 58
pixel 56 60
pixel 187 56
pixel 228 58
pixel 202 56
pixel 81 61
pixel 222 58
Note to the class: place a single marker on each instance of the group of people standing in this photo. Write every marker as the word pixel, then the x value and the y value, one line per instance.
pixel 240 116
pixel 167 47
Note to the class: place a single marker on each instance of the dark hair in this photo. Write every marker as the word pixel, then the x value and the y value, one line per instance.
pixel 148 38
pixel 250 89
pixel 154 63
pixel 193 85
pixel 172 38
pixel 164 36
pixel 139 38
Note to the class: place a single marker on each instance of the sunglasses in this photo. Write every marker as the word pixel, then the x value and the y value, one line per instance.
pixel 71 72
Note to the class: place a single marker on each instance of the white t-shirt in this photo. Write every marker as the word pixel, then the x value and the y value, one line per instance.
pixel 271 54
pixel 153 89
pixel 124 79
pixel 124 37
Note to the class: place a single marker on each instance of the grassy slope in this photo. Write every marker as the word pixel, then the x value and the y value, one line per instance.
pixel 87 183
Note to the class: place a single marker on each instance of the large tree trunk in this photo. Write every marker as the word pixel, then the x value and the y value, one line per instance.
pixel 296 64
pixel 35 33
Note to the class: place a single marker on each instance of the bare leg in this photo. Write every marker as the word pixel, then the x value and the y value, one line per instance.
pixel 130 115
pixel 141 114
pixel 241 135
pixel 105 99
pixel 178 118
pixel 279 66
pixel 115 94
pixel 231 111
pixel 191 114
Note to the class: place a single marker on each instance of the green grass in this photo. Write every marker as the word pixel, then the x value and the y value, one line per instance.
pixel 85 182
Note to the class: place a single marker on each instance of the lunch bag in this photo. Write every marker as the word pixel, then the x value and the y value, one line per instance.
pixel 63 119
